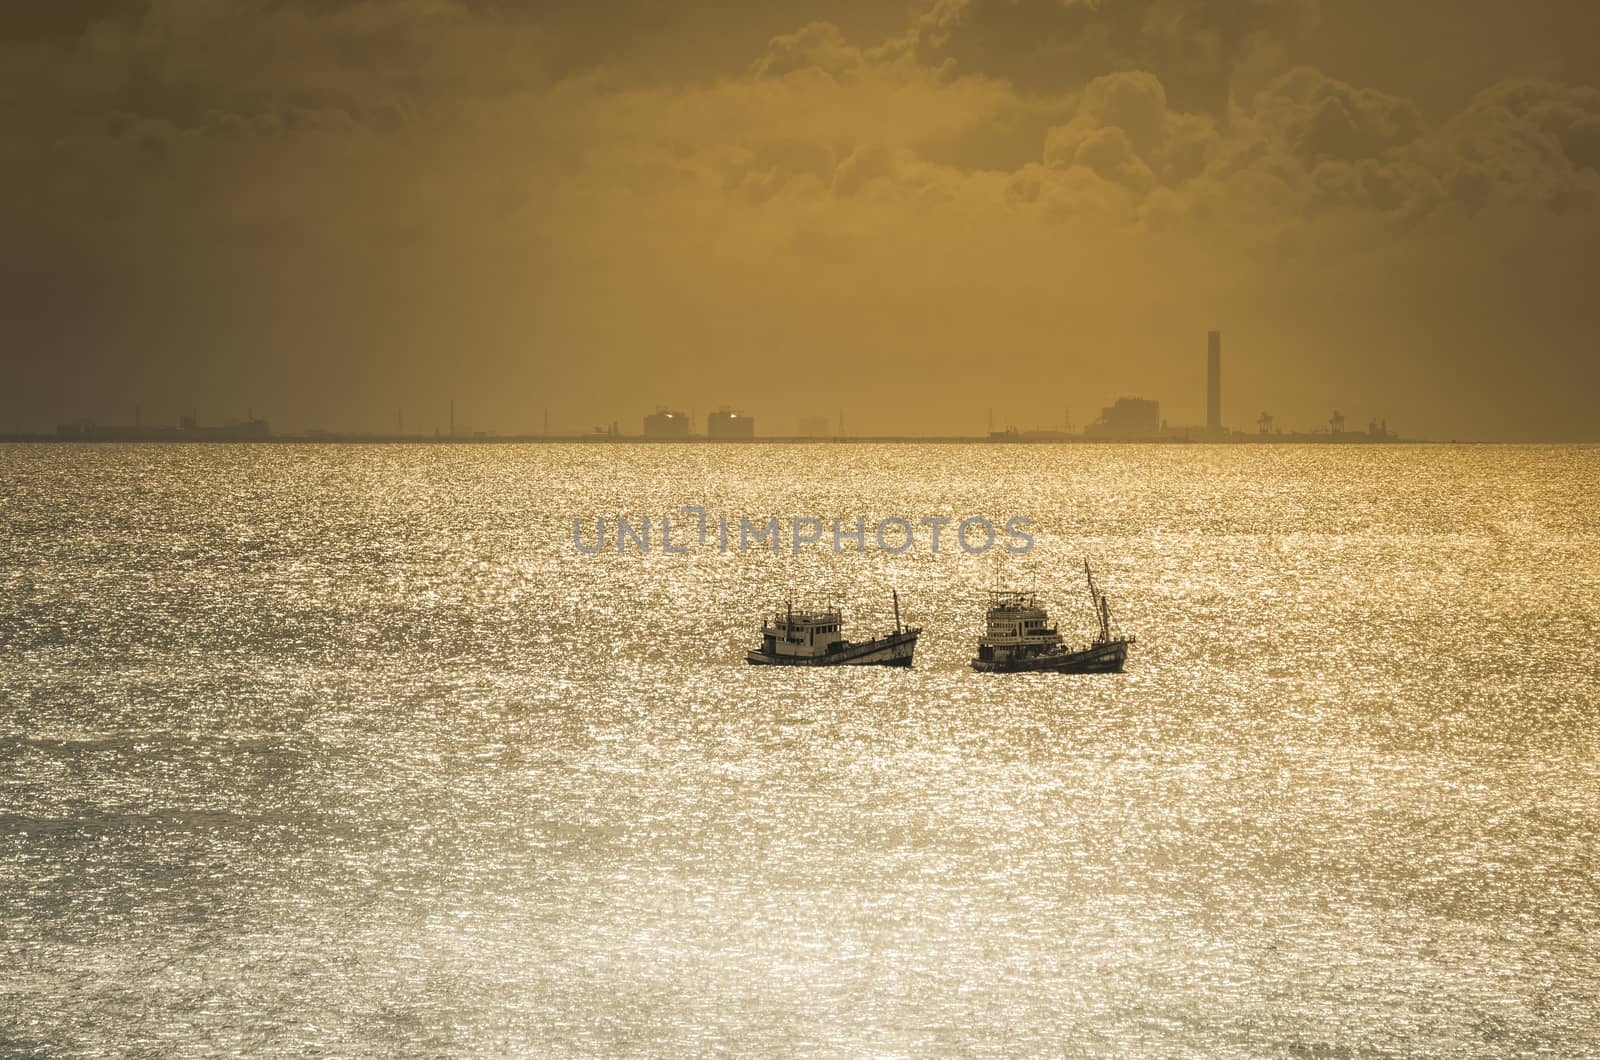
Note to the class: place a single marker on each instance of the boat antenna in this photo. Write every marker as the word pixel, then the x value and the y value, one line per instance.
pixel 896 594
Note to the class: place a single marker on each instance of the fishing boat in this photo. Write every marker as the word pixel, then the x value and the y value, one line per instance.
pixel 816 638
pixel 1020 638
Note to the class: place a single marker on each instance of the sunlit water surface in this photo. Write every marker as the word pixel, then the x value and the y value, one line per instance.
pixel 348 750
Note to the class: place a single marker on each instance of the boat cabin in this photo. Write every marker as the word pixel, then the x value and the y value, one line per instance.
pixel 1017 626
pixel 803 634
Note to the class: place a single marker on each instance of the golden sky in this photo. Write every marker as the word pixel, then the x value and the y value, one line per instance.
pixel 329 212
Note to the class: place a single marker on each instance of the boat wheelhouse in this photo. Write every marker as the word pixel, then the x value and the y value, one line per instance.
pixel 816 638
pixel 1019 637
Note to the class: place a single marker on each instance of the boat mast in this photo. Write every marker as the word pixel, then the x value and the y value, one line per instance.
pixel 896 595
pixel 1101 611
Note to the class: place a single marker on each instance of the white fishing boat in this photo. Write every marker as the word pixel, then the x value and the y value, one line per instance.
pixel 1020 638
pixel 816 638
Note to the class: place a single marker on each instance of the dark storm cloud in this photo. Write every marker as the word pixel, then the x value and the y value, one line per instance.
pixel 1443 52
pixel 1528 141
pixel 1321 117
pixel 1314 143
pixel 62 19
pixel 1195 46
pixel 204 65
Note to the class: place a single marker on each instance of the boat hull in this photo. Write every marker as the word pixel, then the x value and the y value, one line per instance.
pixel 1107 658
pixel 894 650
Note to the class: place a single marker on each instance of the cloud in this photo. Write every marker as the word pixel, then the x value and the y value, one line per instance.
pixel 1195 46
pixel 1525 140
pixel 199 63
pixel 1308 145
pixel 819 46
pixel 1320 117
pixel 1123 130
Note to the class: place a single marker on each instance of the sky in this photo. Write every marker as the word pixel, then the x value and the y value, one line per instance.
pixel 348 214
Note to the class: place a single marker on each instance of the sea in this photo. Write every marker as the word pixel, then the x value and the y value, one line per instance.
pixel 350 750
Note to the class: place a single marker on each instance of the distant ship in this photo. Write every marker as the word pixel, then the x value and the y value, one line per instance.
pixel 1020 639
pixel 816 638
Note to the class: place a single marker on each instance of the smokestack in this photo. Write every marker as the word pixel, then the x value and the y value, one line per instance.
pixel 1214 381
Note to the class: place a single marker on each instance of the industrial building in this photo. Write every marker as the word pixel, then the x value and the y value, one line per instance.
pixel 666 425
pixel 1129 419
pixel 726 425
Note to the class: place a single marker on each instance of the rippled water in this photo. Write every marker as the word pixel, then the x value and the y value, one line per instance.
pixel 347 750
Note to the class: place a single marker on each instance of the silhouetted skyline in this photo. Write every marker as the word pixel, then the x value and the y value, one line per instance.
pixel 344 215
pixel 1126 419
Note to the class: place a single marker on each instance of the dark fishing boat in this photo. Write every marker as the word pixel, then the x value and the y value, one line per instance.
pixel 1019 638
pixel 816 638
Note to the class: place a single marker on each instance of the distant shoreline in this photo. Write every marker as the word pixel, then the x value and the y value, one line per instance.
pixel 587 439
